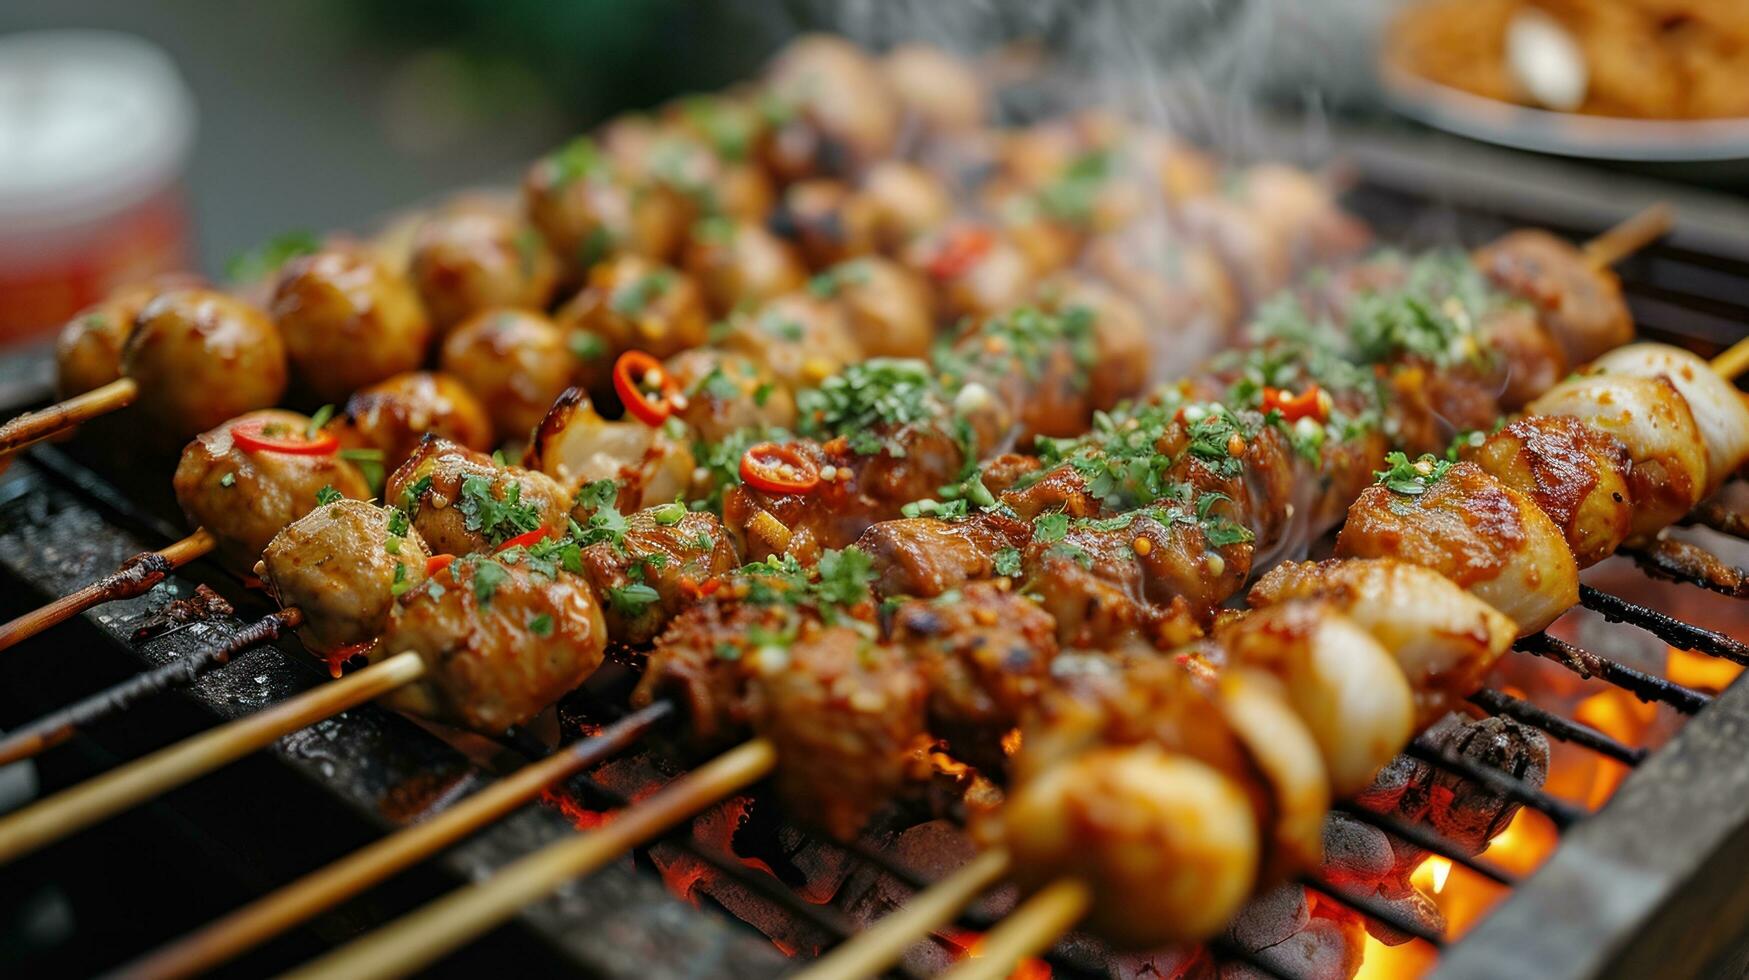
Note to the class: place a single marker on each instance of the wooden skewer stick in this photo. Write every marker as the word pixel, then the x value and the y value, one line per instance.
pixel 873 951
pixel 135 577
pixel 56 727
pixel 100 797
pixel 267 917
pixel 33 427
pixel 1628 237
pixel 1028 930
pixel 1733 360
pixel 420 938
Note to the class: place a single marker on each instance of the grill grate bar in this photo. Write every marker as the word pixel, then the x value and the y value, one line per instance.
pixel 1426 840
pixel 1667 628
pixel 1711 513
pixel 1642 685
pixel 1518 709
pixel 1691 565
pixel 1370 907
pixel 1560 811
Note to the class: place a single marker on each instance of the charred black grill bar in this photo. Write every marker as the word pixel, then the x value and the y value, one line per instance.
pixel 1646 687
pixel 1669 629
pixel 1518 709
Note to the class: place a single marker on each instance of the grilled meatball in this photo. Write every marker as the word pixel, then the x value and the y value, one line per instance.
pixel 450 492
pixel 1476 531
pixel 395 415
pixel 500 643
pixel 887 306
pixel 1167 845
pixel 923 556
pixel 672 553
pixel 1444 639
pixel 474 257
pixel 1120 359
pixel 515 362
pixel 343 566
pixel 631 303
pixel 846 715
pixel 1650 417
pixel 934 87
pixel 586 210
pixel 976 271
pixel 246 496
pixel 1579 303
pixel 800 338
pixel 1181 285
pixel 88 348
pixel 201 357
pixel 826 222
pixel 985 656
pixel 1577 475
pixel 842 114
pixel 740 263
pixel 1718 407
pixel 903 201
pixel 348 321
pixel 727 392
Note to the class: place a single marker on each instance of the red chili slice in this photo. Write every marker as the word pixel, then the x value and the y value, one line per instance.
pixel 1306 404
pixel 776 468
pixel 437 563
pixel 262 436
pixel 647 391
pixel 525 539
pixel 961 250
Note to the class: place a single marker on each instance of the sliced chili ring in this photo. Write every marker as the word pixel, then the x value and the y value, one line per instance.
pixel 263 436
pixel 776 468
pixel 645 388
pixel 962 250
pixel 1306 404
pixel 524 540
pixel 437 563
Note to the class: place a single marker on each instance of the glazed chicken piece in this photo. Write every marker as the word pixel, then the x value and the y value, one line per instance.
pixel 655 569
pixel 461 502
pixel 1580 303
pixel 1473 529
pixel 926 557
pixel 201 357
pixel 1720 413
pixel 1577 475
pixel 889 310
pixel 738 264
pixel 1651 418
pixel 1444 639
pixel 393 416
pixel 500 642
pixel 343 565
pixel 632 303
pixel 244 493
pixel 477 256
pixel 985 655
pixel 586 209
pixel 800 338
pixel 348 321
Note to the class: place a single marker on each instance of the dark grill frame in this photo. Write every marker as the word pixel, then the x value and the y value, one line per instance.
pixel 1648 884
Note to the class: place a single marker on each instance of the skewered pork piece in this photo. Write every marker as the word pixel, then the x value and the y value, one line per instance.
pixel 348 321
pixel 477 255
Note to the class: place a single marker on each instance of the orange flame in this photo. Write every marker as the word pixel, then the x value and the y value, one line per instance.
pixel 968 944
pixel 1697 670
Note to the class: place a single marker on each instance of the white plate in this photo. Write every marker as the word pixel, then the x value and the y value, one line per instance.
pixel 1563 133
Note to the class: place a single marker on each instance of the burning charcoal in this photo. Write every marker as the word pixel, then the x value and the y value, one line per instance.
pixel 1388 787
pixel 1413 906
pixel 1356 854
pixel 205 604
pixel 1326 949
pixel 1271 918
pixel 1469 814
pixel 1177 963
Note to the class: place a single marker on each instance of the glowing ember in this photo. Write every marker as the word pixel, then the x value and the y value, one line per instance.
pixel 1697 670
pixel 1011 742
pixel 1381 962
pixel 1440 870
pixel 970 943
pixel 580 816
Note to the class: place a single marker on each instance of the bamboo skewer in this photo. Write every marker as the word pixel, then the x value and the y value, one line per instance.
pixel 1733 361
pixel 1628 237
pixel 78 807
pixel 1028 930
pixel 267 917
pixel 420 938
pixel 135 577
pixel 33 427
pixel 873 951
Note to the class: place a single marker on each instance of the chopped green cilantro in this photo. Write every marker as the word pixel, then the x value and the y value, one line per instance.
pixel 496 518
pixel 1412 477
